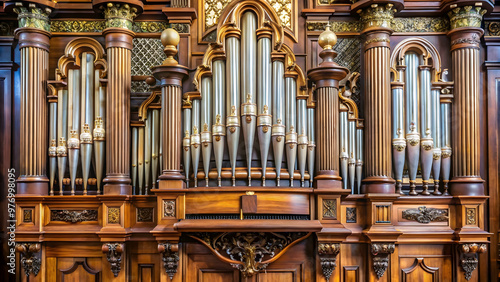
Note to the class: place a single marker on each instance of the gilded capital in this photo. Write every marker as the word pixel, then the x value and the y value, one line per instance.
pixel 33 16
pixel 377 16
pixel 466 16
pixel 119 15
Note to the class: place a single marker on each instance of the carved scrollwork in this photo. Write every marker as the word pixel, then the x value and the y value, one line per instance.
pixel 381 253
pixel 73 216
pixel 328 257
pixel 169 208
pixel 426 215
pixel 330 208
pixel 114 255
pixel 30 259
pixel 170 258
pixel 249 252
pixel 469 257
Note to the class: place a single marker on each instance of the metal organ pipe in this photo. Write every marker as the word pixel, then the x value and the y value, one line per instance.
pixel 344 150
pixel 99 131
pixel 186 142
pixel 352 153
pixel 445 144
pixel 412 123
pixel 359 156
pixel 155 145
pixel 398 129
pixel 62 135
pixel 195 139
pixel 311 152
pixel 264 121
pixel 73 124
pixel 218 129
pixel 147 152
pixel 87 115
pixel 140 159
pixel 206 123
pixel 53 144
pixel 233 99
pixel 278 129
pixel 248 85
pixel 426 142
pixel 135 139
pixel 302 140
pixel 290 123
pixel 436 132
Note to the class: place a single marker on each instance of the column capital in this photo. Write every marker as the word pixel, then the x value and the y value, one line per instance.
pixel 119 14
pixel 466 16
pixel 377 16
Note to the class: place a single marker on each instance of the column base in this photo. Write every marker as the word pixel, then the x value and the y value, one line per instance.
pixel 467 186
pixel 374 184
pixel 33 185
pixel 117 185
pixel 328 179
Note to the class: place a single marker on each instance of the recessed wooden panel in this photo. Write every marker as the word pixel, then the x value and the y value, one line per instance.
pixel 211 275
pixel 420 271
pixel 146 272
pixel 78 269
pixel 425 263
pixel 351 273
pixel 278 275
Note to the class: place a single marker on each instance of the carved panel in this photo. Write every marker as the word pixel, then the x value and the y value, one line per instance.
pixel 80 270
pixel 381 253
pixel 430 273
pixel 492 28
pixel 426 215
pixel 470 216
pixel 30 258
pixel 168 208
pixel 383 214
pixel 147 52
pixel 351 215
pixel 27 215
pixel 114 215
pixel 329 209
pixel 73 216
pixel 114 255
pixel 144 214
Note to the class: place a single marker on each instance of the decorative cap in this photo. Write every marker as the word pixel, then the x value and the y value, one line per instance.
pixel 327 39
pixel 170 39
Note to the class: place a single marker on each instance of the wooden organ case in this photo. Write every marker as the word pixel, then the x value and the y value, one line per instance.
pixel 265 140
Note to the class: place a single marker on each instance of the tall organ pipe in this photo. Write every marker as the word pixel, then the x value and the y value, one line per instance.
pixel 147 152
pixel 427 143
pixel 195 139
pixel 140 159
pixel 398 130
pixel 73 124
pixel 218 129
pixel 302 140
pixel 62 135
pixel 436 132
pixel 53 143
pixel 311 152
pixel 186 142
pixel 99 129
pixel 248 84
pixel 206 123
pixel 445 145
pixel 278 129
pixel 87 115
pixel 264 119
pixel 359 156
pixel 412 123
pixel 135 139
pixel 233 99
pixel 290 123
pixel 344 143
pixel 155 145
pixel 352 153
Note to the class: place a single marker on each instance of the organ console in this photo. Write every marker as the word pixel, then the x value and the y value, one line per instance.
pixel 252 140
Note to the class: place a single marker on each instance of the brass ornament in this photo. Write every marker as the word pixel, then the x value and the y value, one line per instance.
pixel 170 39
pixel 77 26
pixel 330 208
pixel 73 141
pixel 86 137
pixel 99 132
pixel 74 216
pixel 426 215
pixel 114 215
pixel 351 215
pixel 61 149
pixel 53 148
pixel 119 15
pixel 377 16
pixel 470 216
pixel 327 39
pixel 421 24
pixel 33 16
pixel 492 28
pixel 466 16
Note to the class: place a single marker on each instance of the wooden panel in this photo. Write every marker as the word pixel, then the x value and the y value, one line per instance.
pixel 210 275
pixel 420 271
pixel 424 263
pixel 278 275
pixel 351 273
pixel 352 261
pixel 78 269
pixel 146 272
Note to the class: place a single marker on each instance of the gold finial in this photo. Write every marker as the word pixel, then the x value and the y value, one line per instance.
pixel 195 130
pixel 170 39
pixel 292 128
pixel 233 110
pixel 278 121
pixel 327 38
pixel 217 119
pixel 62 141
pixel 266 109
pixel 249 98
pixel 53 143
pixel 186 134
pixel 205 127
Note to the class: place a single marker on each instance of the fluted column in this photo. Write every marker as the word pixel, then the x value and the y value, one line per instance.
pixel 118 35
pixel 465 38
pixel 171 75
pixel 376 19
pixel 326 77
pixel 34 34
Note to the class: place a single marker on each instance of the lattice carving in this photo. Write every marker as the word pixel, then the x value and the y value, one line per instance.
pixel 147 52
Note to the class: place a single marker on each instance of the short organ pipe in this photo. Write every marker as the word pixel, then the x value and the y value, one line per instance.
pixel 195 139
pixel 426 141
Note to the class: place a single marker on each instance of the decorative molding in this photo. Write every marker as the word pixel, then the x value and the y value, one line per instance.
pixel 119 15
pixel 351 215
pixel 376 40
pixel 421 24
pixel 114 255
pixel 77 26
pixel 330 208
pixel 145 214
pixel 7 28
pixel 471 216
pixel 466 16
pixel 426 215
pixel 114 215
pixel 469 257
pixel 249 252
pixel 491 28
pixel 335 26
pixel 168 208
pixel 473 40
pixel 33 16
pixel 381 253
pixel 30 257
pixel 149 27
pixel 73 216
pixel 27 215
pixel 377 16
pixel 170 258
pixel 328 256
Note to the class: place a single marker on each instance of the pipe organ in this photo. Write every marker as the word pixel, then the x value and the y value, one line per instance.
pixel 251 140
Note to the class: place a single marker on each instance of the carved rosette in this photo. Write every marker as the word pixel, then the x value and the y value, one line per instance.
pixel 469 257
pixel 426 215
pixel 328 257
pixel 114 255
pixel 381 253
pixel 170 258
pixel 30 257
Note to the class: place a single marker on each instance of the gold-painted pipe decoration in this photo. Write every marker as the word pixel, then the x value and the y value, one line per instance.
pixel 186 141
pixel 302 140
pixel 195 139
pixel 311 146
pixel 291 124
pixel 147 152
pixel 99 147
pixel 73 151
pixel 436 132
pixel 264 118
pixel 135 150
pixel 140 160
pixel 248 84
pixel 155 146
pixel 278 114
pixel 427 143
pixel 344 140
pixel 219 129
pixel 233 98
pixel 86 152
pixel 412 122
pixel 445 133
pixel 206 122
pixel 398 127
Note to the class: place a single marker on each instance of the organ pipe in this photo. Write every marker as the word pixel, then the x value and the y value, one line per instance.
pixel 290 123
pixel 186 141
pixel 412 123
pixel 53 144
pixel 352 153
pixel 140 159
pixel 344 154
pixel 155 144
pixel 436 132
pixel 445 143
pixel 62 135
pixel 87 115
pixel 73 124
pixel 233 100
pixel 135 139
pixel 302 140
pixel 425 115
pixel 99 129
pixel 206 123
pixel 311 146
pixel 195 139
pixel 398 128
pixel 147 152
pixel 359 156
pixel 278 128
pixel 218 128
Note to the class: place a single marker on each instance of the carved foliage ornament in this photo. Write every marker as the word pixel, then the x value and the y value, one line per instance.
pixel 492 28
pixel 33 16
pixel 249 252
pixel 119 15
pixel 168 208
pixel 73 216
pixel 469 257
pixel 30 260
pixel 377 16
pixel 170 258
pixel 330 208
pixel 466 16
pixel 114 255
pixel 114 215
pixel 328 256
pixel 381 252
pixel 426 215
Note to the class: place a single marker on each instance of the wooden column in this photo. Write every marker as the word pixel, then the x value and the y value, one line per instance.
pixel 465 39
pixel 171 75
pixel 33 34
pixel 376 19
pixel 119 35
pixel 326 77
